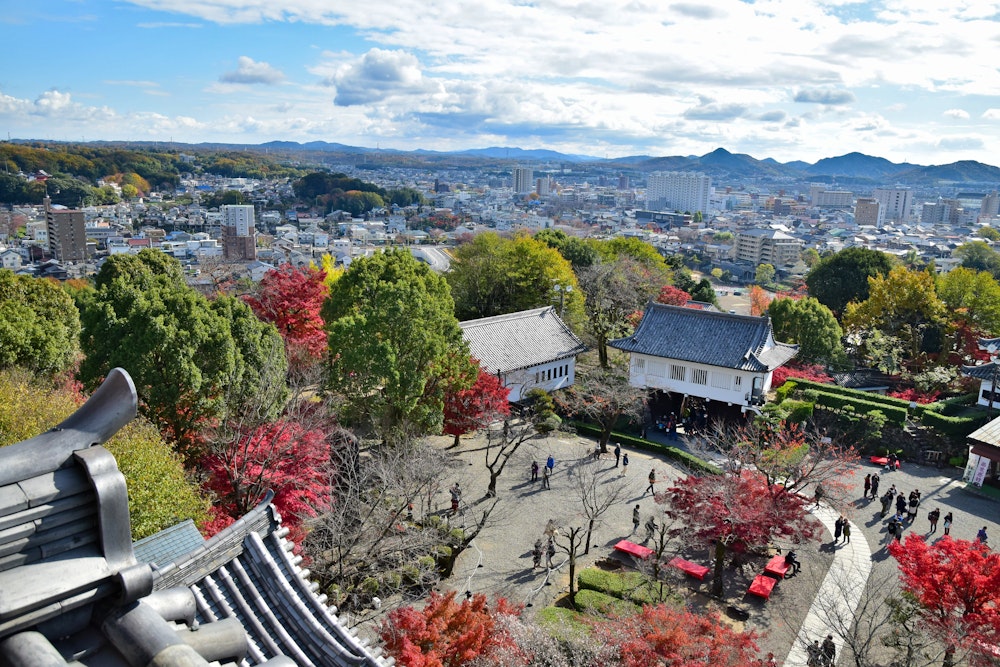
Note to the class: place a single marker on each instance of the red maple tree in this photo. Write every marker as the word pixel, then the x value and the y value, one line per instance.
pixel 759 300
pixel 291 299
pixel 662 635
pixel 445 633
pixel 282 457
pixel 673 296
pixel 812 372
pixel 957 583
pixel 474 408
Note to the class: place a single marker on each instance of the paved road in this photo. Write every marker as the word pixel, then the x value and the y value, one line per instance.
pixel 435 257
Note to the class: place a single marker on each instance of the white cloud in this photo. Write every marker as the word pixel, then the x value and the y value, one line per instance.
pixel 956 113
pixel 992 114
pixel 250 72
pixel 824 96
pixel 377 75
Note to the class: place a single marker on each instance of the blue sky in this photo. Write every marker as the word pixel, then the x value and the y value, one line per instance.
pixel 906 80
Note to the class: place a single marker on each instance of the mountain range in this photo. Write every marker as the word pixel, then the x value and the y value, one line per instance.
pixel 852 168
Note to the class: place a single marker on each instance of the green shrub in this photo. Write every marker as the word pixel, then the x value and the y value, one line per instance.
pixel 798 411
pixel 623 585
pixel 785 390
pixel 591 600
pixel 854 393
pixel 370 586
pixel 956 427
pixel 839 401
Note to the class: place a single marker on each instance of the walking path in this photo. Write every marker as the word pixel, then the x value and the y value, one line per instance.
pixel 843 586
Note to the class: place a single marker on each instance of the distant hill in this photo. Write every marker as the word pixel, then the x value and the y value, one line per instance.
pixel 965 171
pixel 504 153
pixel 857 165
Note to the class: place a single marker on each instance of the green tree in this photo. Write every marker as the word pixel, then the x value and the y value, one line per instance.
pixel 903 304
pixel 178 347
pixel 578 252
pixel 39 324
pixel 492 275
pixel 614 290
pixel 160 494
pixel 704 292
pixel 392 336
pixel 990 233
pixel 810 325
pixel 979 256
pixel 973 296
pixel 637 249
pixel 810 257
pixel 843 277
pixel 765 274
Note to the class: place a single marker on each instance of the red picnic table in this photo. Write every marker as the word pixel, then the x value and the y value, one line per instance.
pixel 762 586
pixel 777 567
pixel 633 549
pixel 695 570
pixel 883 461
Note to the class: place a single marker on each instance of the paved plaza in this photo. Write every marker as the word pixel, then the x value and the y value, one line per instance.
pixel 499 561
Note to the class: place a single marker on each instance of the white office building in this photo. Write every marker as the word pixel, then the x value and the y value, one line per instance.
pixel 524 180
pixel 894 204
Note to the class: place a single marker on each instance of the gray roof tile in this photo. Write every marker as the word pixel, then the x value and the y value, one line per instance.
pixel 514 341
pixel 716 339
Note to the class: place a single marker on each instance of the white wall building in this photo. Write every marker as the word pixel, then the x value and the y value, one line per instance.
pixel 683 191
pixel 894 204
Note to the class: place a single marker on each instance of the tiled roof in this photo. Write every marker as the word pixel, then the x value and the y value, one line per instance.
pixel 717 339
pixel 248 572
pixel 981 372
pixel 511 342
pixel 862 378
pixel 168 544
pixel 988 433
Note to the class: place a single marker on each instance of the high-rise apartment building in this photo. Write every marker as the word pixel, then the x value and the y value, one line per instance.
pixel 767 246
pixel 524 180
pixel 990 207
pixel 239 236
pixel 67 232
pixel 683 191
pixel 894 204
pixel 866 211
pixel 823 198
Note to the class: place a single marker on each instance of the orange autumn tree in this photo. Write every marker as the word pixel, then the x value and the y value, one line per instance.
pixel 665 636
pixel 445 633
pixel 957 583
pixel 759 300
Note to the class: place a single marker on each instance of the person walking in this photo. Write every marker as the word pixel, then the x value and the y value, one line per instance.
pixel 900 504
pixel 536 555
pixel 672 427
pixel 847 531
pixel 868 484
pixel 550 463
pixel 838 528
pixel 912 506
pixel 652 481
pixel 618 453
pixel 635 519
pixel 534 471
pixel 933 517
pixel 546 473
pixel 947 523
pixel 624 464
pixel 456 498
pixel 550 553
pixel 650 528
pixel 875 481
pixel 981 536
pixel 829 651
pixel 814 654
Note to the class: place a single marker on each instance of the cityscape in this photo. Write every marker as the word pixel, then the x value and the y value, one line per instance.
pixel 500 334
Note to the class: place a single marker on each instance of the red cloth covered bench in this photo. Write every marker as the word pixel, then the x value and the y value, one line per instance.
pixel 695 570
pixel 777 567
pixel 762 586
pixel 633 549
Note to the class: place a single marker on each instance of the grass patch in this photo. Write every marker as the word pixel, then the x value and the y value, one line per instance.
pixel 629 586
pixel 594 601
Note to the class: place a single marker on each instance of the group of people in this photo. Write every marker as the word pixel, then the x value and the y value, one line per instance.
pixel 693 421
pixel 822 655
pixel 549 551
pixel 550 464
pixel 842 527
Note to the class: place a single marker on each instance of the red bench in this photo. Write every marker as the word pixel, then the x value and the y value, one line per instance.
pixel 695 570
pixel 777 567
pixel 762 586
pixel 633 549
pixel 883 461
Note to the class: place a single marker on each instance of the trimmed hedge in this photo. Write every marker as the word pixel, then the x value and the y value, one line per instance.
pixel 893 414
pixel 588 599
pixel 958 427
pixel 679 455
pixel 859 395
pixel 632 586
pixel 785 390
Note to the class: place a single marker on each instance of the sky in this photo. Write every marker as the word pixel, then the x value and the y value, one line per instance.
pixel 911 81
